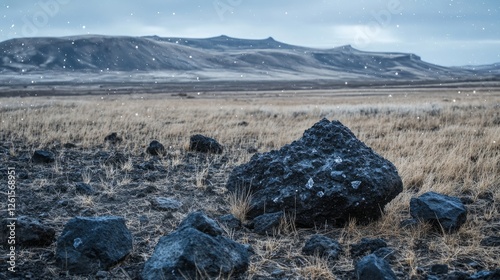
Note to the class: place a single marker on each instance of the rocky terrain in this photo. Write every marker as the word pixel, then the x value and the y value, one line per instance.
pixel 281 192
pixel 91 247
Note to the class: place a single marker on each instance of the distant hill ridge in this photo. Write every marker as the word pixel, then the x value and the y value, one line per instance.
pixel 97 53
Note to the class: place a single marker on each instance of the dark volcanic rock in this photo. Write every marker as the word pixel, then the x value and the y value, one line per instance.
pixel 155 148
pixel 88 245
pixel 326 176
pixel 486 275
pixel 267 223
pixel 196 250
pixel 386 253
pixel 41 156
pixel 113 138
pixel 200 143
pixel 491 241
pixel 116 159
pixel 441 211
pixel 367 245
pixel 322 246
pixel 439 269
pixel 83 188
pixel 166 204
pixel 69 145
pixel 230 221
pixel 374 268
pixel 29 232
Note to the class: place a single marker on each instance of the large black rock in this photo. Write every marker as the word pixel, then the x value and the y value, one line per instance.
pixel 441 211
pixel 88 245
pixel 196 250
pixel 328 175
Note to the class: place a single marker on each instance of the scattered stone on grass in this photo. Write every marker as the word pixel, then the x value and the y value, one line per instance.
pixel 444 213
pixel 203 144
pixel 42 156
pixel 374 268
pixel 113 138
pixel 322 246
pixel 491 241
pixel 230 221
pixel 367 245
pixel 166 204
pixel 89 245
pixel 155 148
pixel 83 188
pixel 28 231
pixel 116 160
pixel 267 224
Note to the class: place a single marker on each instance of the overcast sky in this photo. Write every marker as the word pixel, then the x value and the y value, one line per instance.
pixel 445 32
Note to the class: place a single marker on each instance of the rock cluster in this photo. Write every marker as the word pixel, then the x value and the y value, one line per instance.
pixel 327 176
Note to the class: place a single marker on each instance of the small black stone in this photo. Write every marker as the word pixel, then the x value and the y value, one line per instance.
pixel 113 138
pixel 439 269
pixel 491 241
pixel 83 188
pixel 155 148
pixel 41 156
pixel 267 224
pixel 203 144
pixel 230 221
pixel 322 246
pixel 367 245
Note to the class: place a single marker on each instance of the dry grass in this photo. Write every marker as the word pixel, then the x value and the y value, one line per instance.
pixel 239 203
pixel 446 141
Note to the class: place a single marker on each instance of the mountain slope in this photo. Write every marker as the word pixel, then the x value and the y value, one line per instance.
pixel 95 54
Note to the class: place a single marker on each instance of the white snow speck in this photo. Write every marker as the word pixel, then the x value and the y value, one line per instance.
pixel 320 194
pixel 77 242
pixel 355 184
pixel 310 183
pixel 337 159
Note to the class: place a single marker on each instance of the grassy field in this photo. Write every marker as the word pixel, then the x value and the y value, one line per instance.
pixel 446 141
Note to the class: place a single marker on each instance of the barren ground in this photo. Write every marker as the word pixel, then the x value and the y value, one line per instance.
pixel 445 140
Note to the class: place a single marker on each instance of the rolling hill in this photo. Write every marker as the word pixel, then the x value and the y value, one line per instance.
pixel 152 58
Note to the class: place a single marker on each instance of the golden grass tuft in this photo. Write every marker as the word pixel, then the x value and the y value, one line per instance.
pixel 239 203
